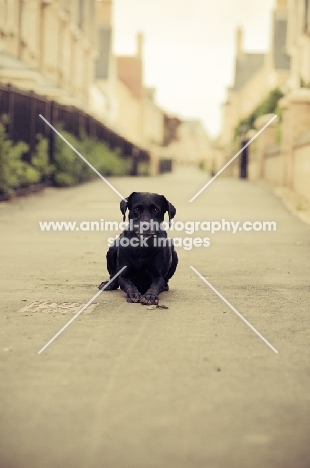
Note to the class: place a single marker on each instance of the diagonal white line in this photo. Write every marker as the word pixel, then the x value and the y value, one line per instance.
pixel 82 157
pixel 235 310
pixel 81 310
pixel 232 159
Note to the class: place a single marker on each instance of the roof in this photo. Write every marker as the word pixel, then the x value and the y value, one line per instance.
pixel 14 68
pixel 8 61
pixel 246 66
pixel 150 93
pixel 193 124
pixel 104 46
pixel 129 71
pixel 280 57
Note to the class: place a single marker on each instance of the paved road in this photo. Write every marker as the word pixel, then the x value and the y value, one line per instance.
pixel 191 386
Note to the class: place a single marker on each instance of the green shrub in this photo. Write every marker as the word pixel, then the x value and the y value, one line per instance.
pixel 303 83
pixel 278 134
pixel 267 106
pixel 14 172
pixel 63 179
pixel 144 169
pixel 28 175
pixel 40 159
pixel 70 169
pixel 106 161
pixel 67 163
pixel 202 165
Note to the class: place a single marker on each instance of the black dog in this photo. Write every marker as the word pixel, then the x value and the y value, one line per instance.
pixel 144 249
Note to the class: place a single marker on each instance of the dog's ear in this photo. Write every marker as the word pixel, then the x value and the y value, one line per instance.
pixel 171 210
pixel 126 204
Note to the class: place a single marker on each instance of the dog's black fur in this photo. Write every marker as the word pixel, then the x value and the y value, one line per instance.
pixel 148 268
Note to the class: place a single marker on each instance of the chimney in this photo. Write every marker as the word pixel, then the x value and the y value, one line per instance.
pixel 281 5
pixel 104 11
pixel 140 45
pixel 239 41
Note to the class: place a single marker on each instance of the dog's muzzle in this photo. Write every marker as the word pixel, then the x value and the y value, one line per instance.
pixel 143 229
pixel 145 234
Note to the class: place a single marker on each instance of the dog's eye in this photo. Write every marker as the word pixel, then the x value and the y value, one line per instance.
pixel 136 209
pixel 155 210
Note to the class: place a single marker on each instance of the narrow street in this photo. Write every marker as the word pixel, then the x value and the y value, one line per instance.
pixel 191 386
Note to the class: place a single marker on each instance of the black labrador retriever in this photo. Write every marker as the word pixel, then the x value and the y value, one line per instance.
pixel 144 249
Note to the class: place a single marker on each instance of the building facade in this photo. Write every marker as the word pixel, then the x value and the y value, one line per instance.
pixel 256 74
pixel 63 49
pixel 138 113
pixel 49 46
pixel 298 42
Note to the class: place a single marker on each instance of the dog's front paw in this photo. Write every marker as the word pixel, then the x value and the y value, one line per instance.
pixel 149 299
pixel 110 287
pixel 133 297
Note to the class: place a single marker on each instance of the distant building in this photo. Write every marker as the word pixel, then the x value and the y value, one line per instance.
pixel 153 119
pixel 171 126
pixel 298 42
pixel 130 94
pixel 256 74
pixel 63 49
pixel 192 144
pixel 103 99
pixel 138 113
pixel 49 47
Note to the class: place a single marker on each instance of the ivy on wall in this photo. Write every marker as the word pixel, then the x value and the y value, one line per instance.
pixel 270 105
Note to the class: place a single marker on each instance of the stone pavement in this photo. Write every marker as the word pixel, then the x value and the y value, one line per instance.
pixel 191 386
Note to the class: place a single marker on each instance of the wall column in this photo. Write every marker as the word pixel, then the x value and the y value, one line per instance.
pixel 296 121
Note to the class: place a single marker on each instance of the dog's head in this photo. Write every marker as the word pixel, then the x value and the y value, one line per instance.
pixel 145 207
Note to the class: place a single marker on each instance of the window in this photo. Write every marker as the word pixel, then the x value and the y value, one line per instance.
pixel 306 28
pixel 66 5
pixel 80 13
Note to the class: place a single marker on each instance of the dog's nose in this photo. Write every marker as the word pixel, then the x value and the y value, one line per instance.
pixel 144 228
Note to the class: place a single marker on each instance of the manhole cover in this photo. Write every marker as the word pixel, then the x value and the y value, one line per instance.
pixel 59 308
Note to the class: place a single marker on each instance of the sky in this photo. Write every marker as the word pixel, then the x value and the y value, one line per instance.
pixel 189 48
